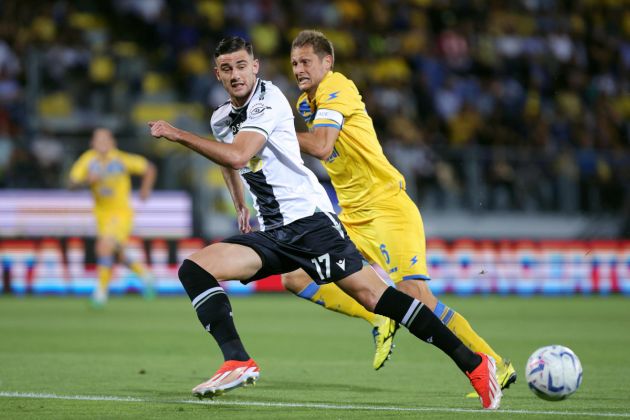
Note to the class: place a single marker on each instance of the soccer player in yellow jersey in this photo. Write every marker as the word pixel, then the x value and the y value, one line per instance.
pixel 107 171
pixel 377 213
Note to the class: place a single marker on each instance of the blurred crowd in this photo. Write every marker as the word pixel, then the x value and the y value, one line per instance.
pixel 502 105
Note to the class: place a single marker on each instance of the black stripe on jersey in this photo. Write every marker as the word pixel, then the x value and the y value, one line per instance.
pixel 237 118
pixel 268 206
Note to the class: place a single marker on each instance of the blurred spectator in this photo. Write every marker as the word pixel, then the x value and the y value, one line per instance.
pixel 526 102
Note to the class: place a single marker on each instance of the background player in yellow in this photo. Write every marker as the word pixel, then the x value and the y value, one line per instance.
pixel 107 171
pixel 379 216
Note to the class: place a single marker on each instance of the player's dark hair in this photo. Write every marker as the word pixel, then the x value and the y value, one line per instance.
pixel 321 45
pixel 232 44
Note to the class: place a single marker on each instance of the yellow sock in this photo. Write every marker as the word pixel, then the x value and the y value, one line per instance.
pixel 333 298
pixel 462 329
pixel 104 276
pixel 139 269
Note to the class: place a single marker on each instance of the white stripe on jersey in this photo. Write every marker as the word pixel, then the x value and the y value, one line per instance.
pixel 283 189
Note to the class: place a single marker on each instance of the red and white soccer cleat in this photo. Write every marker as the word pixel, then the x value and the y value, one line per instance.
pixel 232 374
pixel 484 380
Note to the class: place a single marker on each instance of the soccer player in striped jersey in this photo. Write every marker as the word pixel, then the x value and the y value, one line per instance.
pixel 259 150
pixel 107 171
pixel 379 216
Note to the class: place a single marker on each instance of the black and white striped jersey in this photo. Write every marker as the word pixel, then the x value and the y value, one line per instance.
pixel 283 189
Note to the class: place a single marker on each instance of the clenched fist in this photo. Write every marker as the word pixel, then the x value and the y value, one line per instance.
pixel 163 129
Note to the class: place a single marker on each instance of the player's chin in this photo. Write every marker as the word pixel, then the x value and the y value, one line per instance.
pixel 240 91
pixel 304 85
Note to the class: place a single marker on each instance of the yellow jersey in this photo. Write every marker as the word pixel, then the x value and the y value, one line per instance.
pixel 114 186
pixel 358 169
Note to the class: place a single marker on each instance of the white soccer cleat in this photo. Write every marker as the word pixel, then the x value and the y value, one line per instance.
pixel 232 374
pixel 99 297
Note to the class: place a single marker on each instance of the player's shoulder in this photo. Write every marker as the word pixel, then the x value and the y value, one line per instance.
pixel 221 111
pixel 332 85
pixel 266 91
pixel 266 97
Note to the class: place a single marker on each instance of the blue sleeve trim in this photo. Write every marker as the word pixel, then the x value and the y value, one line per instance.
pixel 337 126
pixel 417 277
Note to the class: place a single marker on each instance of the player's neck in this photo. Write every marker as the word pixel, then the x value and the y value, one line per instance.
pixel 310 94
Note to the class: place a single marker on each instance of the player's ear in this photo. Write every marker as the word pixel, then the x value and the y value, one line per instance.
pixel 255 66
pixel 328 62
pixel 216 73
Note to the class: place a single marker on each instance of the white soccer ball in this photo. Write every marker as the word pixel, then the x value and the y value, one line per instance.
pixel 553 372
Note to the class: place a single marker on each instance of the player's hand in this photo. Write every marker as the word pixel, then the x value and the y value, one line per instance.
pixel 161 128
pixel 243 220
pixel 93 177
pixel 144 195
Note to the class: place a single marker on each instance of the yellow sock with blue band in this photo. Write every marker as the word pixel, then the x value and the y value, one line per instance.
pixel 330 296
pixel 462 329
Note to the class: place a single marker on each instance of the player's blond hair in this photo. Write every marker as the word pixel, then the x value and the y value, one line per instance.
pixel 321 45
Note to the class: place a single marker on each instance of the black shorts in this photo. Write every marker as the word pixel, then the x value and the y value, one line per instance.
pixel 318 244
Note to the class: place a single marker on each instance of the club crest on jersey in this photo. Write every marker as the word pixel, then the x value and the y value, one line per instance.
pixel 258 110
pixel 305 110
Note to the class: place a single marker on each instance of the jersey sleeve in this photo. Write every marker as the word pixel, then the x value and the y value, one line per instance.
pixel 135 164
pixel 333 104
pixel 79 170
pixel 220 131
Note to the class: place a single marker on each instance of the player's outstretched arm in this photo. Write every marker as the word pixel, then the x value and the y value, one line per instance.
pixel 235 155
pixel 148 181
pixel 80 175
pixel 235 186
pixel 320 142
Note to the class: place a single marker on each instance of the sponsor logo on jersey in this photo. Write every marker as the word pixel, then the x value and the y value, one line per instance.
pixel 334 155
pixel 235 127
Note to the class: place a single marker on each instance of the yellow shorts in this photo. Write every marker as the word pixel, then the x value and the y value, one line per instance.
pixel 114 223
pixel 390 233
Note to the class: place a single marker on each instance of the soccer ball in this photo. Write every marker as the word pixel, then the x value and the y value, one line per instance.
pixel 553 372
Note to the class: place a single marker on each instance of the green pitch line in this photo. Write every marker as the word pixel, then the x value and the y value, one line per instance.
pixel 58 358
pixel 284 405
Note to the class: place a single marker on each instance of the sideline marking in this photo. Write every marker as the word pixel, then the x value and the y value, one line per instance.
pixel 301 405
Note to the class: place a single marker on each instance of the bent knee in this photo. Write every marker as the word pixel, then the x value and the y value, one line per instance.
pixel 418 289
pixel 295 281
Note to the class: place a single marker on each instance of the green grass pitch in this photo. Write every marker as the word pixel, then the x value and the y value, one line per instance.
pixel 139 359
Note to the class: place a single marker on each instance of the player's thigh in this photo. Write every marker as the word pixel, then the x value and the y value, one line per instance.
pixel 296 281
pixel 105 246
pixel 228 261
pixel 365 286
